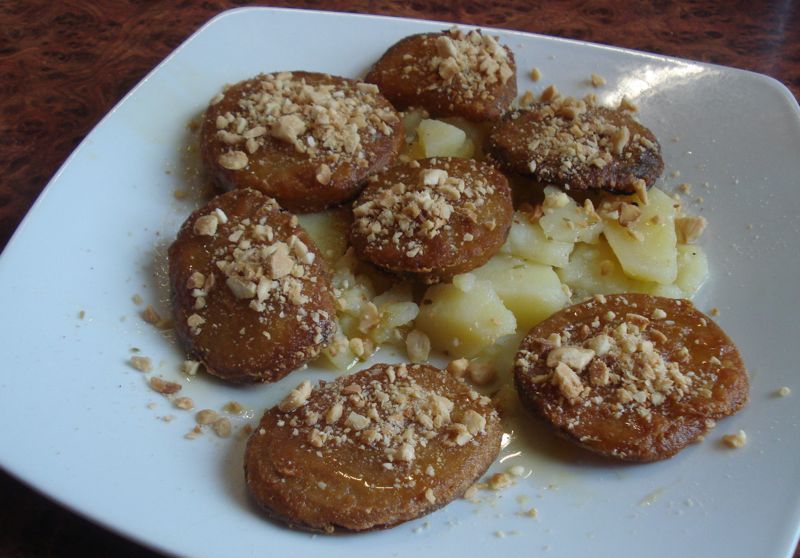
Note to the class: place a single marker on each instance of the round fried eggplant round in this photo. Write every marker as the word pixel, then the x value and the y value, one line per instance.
pixel 309 140
pixel 568 144
pixel 371 450
pixel 250 292
pixel 633 377
pixel 432 218
pixel 451 73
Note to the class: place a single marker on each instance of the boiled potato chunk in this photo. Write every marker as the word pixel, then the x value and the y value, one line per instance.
pixel 653 256
pixel 566 221
pixel 440 139
pixel 338 353
pixel 463 321
pixel 692 268
pixel 328 229
pixel 527 240
pixel 594 269
pixel 531 291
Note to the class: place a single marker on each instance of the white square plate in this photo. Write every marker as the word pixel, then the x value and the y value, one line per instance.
pixel 75 419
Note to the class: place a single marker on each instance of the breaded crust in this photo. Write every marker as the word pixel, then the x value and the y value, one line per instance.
pixel 432 218
pixel 250 293
pixel 309 140
pixel 636 377
pixel 568 144
pixel 448 74
pixel 371 450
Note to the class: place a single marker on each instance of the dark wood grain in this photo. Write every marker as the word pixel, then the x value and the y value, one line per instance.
pixel 64 64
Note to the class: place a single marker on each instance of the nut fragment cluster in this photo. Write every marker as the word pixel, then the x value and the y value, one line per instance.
pixel 394 414
pixel 327 122
pixel 269 273
pixel 419 207
pixel 475 58
pixel 575 144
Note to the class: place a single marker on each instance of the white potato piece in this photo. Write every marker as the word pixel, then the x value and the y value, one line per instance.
pixel 463 322
pixel 530 290
pixel 653 256
pixel 527 240
pixel 594 269
pixel 440 139
pixel 338 353
pixel 328 229
pixel 566 221
pixel 692 269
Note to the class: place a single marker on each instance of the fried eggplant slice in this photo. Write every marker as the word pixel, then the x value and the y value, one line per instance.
pixel 250 292
pixel 577 147
pixel 451 73
pixel 371 450
pixel 433 218
pixel 631 376
pixel 309 140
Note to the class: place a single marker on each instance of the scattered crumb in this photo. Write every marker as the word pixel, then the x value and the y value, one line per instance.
pixel 137 299
pixel 164 387
pixel 190 367
pixel 180 194
pixel 233 407
pixel 151 405
pixel 499 481
pixel 784 391
pixel 206 416
pixel 142 364
pixel 167 418
pixel 714 311
pixel 193 433
pixel 81 315
pixel 533 512
pixel 735 441
pixel 184 403
pixel 151 316
pixel 222 427
pixel 535 74
pixel 597 80
pixel 517 470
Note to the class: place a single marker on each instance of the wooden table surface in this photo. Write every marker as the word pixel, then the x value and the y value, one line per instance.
pixel 64 64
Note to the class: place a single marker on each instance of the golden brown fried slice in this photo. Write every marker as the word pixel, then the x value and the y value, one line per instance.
pixel 432 218
pixel 309 140
pixel 371 450
pixel 451 73
pixel 634 377
pixel 568 144
pixel 250 292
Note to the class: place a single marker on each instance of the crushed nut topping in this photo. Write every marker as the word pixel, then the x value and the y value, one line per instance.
pixel 472 58
pixel 420 206
pixel 735 441
pixel 328 122
pixel 142 364
pixel 388 411
pixel 624 360
pixel 164 387
pixel 258 269
pixel 574 134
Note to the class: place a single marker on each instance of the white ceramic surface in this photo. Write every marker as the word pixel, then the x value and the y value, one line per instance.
pixel 75 419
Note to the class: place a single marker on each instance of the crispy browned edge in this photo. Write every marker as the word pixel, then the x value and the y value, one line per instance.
pixel 507 145
pixel 437 263
pixel 273 358
pixel 681 431
pixel 294 184
pixel 387 74
pixel 286 508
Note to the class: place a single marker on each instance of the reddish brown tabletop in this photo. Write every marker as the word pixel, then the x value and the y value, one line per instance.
pixel 64 64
